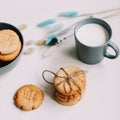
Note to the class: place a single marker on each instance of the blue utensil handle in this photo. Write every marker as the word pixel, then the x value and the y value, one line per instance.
pixel 115 48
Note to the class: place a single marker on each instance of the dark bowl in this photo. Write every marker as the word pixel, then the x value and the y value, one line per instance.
pixel 7 66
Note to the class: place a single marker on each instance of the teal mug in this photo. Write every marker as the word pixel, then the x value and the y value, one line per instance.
pixel 92 39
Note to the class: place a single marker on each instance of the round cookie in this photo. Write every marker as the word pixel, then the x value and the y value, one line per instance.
pixel 70 80
pixel 11 56
pixel 8 41
pixel 28 97
pixel 67 100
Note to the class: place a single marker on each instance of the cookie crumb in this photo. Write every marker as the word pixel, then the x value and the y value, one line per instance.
pixel 40 42
pixel 29 51
pixel 30 42
pixel 22 27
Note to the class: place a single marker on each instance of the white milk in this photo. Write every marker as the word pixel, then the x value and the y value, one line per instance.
pixel 92 34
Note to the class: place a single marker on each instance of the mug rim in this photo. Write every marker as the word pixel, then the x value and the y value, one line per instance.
pixel 95 21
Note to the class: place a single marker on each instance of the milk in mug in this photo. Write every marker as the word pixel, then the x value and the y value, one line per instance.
pixel 92 35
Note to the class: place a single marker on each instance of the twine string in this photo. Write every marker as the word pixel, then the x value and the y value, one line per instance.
pixel 51 73
pixel 69 77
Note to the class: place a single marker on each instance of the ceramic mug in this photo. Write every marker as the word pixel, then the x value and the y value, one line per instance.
pixel 92 38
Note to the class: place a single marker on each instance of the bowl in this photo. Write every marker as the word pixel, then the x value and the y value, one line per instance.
pixel 7 66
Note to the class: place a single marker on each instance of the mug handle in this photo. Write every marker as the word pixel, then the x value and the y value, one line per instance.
pixel 115 48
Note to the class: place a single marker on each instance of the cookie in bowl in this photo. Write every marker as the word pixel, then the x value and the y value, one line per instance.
pixel 11 45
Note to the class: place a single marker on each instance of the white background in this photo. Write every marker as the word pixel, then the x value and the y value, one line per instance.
pixel 102 97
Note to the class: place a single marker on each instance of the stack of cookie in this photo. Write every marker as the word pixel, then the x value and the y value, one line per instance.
pixel 70 84
pixel 10 45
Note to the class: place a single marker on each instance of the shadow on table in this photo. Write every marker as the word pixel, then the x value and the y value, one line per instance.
pixel 71 52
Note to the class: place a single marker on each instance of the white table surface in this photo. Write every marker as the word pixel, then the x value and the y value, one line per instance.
pixel 102 97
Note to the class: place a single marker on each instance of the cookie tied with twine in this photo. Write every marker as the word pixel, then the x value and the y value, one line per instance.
pixel 69 83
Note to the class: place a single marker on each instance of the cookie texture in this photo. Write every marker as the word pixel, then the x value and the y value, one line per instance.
pixel 70 85
pixel 11 56
pixel 8 41
pixel 67 100
pixel 72 79
pixel 10 45
pixel 28 97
